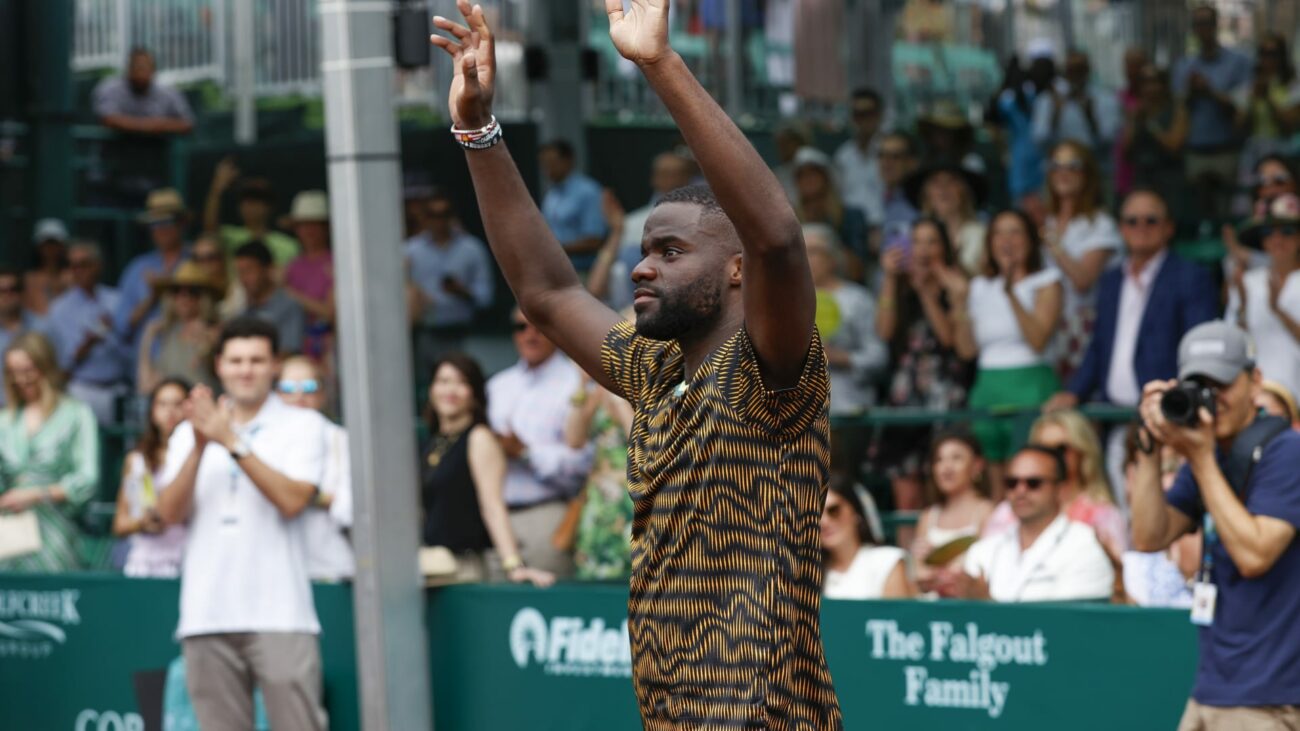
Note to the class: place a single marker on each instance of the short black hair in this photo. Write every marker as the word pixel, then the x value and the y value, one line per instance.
pixel 1056 454
pixel 869 94
pixel 257 189
pixel 561 147
pixel 7 270
pixel 138 51
pixel 697 194
pixel 247 326
pixel 256 250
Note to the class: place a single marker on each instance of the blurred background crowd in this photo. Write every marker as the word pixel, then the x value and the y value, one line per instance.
pixel 1013 211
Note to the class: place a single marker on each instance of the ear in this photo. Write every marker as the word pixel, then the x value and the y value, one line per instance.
pixel 734 268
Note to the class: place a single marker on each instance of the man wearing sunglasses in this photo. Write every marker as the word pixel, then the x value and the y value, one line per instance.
pixel 14 318
pixel 1048 558
pixel 1247 594
pixel 1153 297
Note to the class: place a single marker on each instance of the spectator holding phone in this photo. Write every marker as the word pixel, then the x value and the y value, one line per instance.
pixel 1006 319
pixel 915 316
pixel 453 281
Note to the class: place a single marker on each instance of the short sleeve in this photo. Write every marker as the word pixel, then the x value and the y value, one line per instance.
pixel 178 107
pixel 624 356
pixel 305 458
pixel 977 559
pixel 1099 233
pixel 104 101
pixel 781 411
pixel 1275 485
pixel 178 449
pixel 1185 495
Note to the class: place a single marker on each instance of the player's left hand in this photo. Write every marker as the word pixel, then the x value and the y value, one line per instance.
pixel 641 32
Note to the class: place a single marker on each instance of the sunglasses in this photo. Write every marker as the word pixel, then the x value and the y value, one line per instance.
pixel 439 214
pixel 308 386
pixel 81 264
pixel 520 326
pixel 161 223
pixel 883 155
pixel 1275 180
pixel 1289 230
pixel 1011 482
pixel 862 112
pixel 1136 221
pixel 187 290
pixel 1073 166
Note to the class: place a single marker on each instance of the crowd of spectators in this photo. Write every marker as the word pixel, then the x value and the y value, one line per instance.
pixel 940 286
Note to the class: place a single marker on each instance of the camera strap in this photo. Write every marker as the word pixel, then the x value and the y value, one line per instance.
pixel 1246 452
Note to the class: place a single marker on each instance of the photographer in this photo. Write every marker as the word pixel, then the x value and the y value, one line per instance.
pixel 1246 596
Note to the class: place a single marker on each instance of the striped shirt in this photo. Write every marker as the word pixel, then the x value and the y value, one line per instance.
pixel 728 479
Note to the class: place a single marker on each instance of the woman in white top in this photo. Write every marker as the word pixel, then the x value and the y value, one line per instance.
pixel 954 489
pixel 1080 239
pixel 1266 301
pixel 1009 318
pixel 154 550
pixel 857 568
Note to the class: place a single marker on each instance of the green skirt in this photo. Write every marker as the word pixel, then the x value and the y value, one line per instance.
pixel 1003 388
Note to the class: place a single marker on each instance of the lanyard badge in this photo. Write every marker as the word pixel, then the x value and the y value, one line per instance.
pixel 1205 594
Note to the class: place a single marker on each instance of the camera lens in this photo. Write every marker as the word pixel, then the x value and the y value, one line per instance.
pixel 1178 406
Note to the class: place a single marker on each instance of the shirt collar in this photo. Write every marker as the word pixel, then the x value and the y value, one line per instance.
pixel 1050 534
pixel 1149 272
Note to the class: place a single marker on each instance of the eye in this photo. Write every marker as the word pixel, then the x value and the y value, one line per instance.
pixel 671 251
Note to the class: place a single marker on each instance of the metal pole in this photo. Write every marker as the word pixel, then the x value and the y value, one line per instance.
pixel 735 99
pixel 365 194
pixel 244 51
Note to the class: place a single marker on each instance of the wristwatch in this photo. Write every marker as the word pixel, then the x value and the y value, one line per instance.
pixel 240 449
pixel 510 563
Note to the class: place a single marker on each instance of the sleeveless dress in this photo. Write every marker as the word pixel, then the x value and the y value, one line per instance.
pixel 149 556
pixel 452 516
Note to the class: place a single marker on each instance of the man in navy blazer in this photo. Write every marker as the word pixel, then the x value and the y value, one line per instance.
pixel 1144 306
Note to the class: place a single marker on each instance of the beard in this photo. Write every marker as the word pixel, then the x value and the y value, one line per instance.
pixel 689 309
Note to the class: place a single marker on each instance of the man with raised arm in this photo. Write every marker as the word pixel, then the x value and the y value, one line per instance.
pixel 729 452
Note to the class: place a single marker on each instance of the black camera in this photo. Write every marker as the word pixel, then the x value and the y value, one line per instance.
pixel 1182 404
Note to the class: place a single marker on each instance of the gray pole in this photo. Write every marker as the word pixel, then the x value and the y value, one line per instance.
pixel 243 65
pixel 362 151
pixel 735 97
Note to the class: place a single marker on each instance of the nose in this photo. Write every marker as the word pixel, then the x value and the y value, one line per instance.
pixel 643 272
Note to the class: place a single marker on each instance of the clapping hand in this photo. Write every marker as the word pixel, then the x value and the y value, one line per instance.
pixel 956 584
pixel 210 419
pixel 474 64
pixel 640 33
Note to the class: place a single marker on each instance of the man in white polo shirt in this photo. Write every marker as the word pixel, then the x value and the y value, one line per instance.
pixel 240 471
pixel 1047 558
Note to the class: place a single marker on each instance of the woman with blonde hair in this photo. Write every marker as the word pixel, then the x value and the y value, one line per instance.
pixel 1086 495
pixel 1080 239
pixel 178 343
pixel 49 455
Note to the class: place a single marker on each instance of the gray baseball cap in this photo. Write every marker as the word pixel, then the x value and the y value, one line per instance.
pixel 1217 350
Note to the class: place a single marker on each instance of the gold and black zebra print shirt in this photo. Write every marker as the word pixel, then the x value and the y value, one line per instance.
pixel 728 479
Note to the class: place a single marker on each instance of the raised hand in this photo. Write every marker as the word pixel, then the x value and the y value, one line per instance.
pixel 474 60
pixel 641 32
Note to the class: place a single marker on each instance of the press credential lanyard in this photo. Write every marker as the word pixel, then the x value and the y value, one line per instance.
pixel 1205 595
pixel 230 513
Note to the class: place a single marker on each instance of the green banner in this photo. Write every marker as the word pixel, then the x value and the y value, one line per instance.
pixel 507 657
pixel 72 647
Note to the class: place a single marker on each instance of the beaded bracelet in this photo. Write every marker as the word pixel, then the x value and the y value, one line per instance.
pixel 478 139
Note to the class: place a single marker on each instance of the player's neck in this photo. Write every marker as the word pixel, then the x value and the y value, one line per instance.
pixel 696 350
